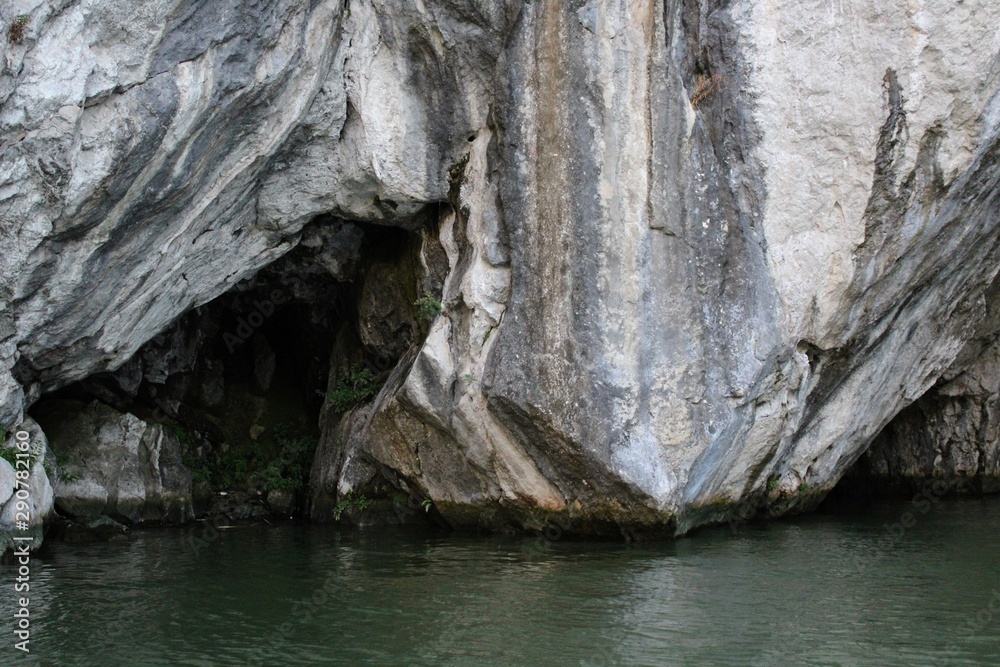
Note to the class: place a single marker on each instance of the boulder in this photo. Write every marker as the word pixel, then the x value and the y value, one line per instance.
pixel 115 464
pixel 39 491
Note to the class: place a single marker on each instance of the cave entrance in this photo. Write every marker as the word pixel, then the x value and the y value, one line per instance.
pixel 242 380
pixel 945 443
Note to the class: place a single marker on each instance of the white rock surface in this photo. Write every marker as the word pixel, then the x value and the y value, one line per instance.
pixel 6 482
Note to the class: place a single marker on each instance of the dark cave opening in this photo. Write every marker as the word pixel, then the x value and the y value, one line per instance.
pixel 943 444
pixel 242 380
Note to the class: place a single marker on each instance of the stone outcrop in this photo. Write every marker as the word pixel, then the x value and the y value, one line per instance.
pixel 38 500
pixel 697 253
pixel 116 465
pixel 950 436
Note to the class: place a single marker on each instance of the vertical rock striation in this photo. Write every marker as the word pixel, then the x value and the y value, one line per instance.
pixel 949 436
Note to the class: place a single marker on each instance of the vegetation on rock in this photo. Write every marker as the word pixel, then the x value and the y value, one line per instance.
pixel 280 459
pixel 347 502
pixel 15 32
pixel 427 306
pixel 352 387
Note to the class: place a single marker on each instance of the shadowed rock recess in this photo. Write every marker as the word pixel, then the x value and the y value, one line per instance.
pixel 626 266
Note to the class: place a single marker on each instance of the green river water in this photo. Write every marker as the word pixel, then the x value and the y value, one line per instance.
pixel 828 589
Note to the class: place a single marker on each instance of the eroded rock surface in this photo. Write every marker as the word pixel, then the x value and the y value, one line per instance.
pixel 950 436
pixel 34 491
pixel 115 464
pixel 697 253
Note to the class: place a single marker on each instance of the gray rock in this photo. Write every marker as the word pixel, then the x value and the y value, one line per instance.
pixel 950 436
pixel 280 501
pixel 39 501
pixel 97 529
pixel 707 305
pixel 115 464
pixel 238 506
pixel 213 388
pixel 690 267
pixel 338 466
pixel 6 482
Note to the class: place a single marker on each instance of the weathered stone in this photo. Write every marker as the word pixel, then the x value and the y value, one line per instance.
pixel 115 464
pixel 39 501
pixel 949 436
pixel 707 298
pixel 237 506
pixel 280 501
pixel 6 482
pixel 698 253
pixel 97 529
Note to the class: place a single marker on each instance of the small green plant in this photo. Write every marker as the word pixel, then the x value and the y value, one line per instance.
pixel 427 504
pixel 184 436
pixel 10 454
pixel 292 466
pixel 15 32
pixel 70 468
pixel 349 501
pixel 772 484
pixel 200 472
pixel 7 455
pixel 278 460
pixel 351 388
pixel 427 306
pixel 469 378
pixel 69 471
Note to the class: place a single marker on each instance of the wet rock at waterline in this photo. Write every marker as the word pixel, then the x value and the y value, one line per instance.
pixel 26 503
pixel 239 506
pixel 115 464
pixel 280 502
pixel 668 260
pixel 89 529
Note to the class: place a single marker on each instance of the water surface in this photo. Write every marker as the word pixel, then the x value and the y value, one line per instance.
pixel 819 590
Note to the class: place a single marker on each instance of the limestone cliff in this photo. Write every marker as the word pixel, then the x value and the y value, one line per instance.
pixel 692 255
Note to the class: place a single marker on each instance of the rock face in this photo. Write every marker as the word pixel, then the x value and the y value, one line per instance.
pixel 951 435
pixel 116 465
pixel 34 491
pixel 697 253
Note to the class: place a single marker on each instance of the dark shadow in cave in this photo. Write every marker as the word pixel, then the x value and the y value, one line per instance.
pixel 939 446
pixel 241 379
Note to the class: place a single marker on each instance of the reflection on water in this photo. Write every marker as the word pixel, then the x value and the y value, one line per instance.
pixel 820 590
